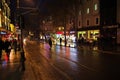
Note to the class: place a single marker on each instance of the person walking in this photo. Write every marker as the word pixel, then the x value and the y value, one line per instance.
pixel 60 41
pixel 1 47
pixel 50 42
pixel 14 44
pixel 7 47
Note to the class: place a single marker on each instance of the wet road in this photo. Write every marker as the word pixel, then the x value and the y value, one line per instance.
pixel 65 63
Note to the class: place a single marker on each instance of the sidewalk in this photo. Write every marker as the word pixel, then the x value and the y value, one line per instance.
pixel 11 70
pixel 110 49
pixel 104 49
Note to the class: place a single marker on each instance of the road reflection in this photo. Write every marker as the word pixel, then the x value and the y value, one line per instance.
pixel 9 68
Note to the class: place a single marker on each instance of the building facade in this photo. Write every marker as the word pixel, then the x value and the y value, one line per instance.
pixel 4 16
pixel 118 21
pixel 98 19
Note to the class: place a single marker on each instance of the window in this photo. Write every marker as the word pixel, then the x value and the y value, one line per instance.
pixel 88 10
pixel 95 7
pixel 79 12
pixel 79 23
pixel 87 22
pixel 97 20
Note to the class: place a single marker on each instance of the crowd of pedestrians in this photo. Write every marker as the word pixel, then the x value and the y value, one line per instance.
pixel 6 45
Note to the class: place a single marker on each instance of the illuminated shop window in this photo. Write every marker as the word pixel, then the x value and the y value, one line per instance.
pixel 95 7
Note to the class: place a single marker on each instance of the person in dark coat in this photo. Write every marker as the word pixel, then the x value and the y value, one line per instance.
pixel 50 42
pixel 60 41
pixel 15 45
pixel 1 47
pixel 7 47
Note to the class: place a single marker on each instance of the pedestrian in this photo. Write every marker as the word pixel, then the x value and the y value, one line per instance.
pixel 22 61
pixel 14 44
pixel 1 47
pixel 18 45
pixel 60 41
pixel 50 42
pixel 7 47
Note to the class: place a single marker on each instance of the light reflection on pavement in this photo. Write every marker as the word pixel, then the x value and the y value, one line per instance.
pixel 13 59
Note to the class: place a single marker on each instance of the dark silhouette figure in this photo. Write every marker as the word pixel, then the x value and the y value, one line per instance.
pixel 15 45
pixel 18 45
pixel 22 61
pixel 7 47
pixel 1 47
pixel 60 41
pixel 50 43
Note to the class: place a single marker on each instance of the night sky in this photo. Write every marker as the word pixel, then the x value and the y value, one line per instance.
pixel 44 8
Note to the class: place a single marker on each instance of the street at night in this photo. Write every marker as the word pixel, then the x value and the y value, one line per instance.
pixel 61 63
pixel 59 39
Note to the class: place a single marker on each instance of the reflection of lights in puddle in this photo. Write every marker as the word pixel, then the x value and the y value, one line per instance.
pixel 8 61
pixel 74 54
pixel 4 63
pixel 12 56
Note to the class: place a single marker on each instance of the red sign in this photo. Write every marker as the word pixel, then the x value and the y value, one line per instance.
pixel 59 32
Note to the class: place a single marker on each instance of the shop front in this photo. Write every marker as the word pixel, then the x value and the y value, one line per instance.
pixel 89 36
pixel 70 38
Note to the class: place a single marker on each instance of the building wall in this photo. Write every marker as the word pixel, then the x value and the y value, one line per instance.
pixel 108 12
pixel 4 14
pixel 103 16
pixel 118 11
pixel 118 21
pixel 92 15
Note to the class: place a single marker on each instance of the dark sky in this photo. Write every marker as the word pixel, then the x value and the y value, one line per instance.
pixel 45 8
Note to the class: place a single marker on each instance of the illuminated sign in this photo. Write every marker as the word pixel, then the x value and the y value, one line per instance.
pixel 3 32
pixel 60 32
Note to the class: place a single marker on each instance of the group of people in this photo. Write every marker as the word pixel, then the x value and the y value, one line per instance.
pixel 7 45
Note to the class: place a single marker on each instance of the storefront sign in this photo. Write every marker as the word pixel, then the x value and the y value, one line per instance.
pixel 60 32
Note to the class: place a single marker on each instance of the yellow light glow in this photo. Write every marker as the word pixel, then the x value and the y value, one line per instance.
pixel 12 27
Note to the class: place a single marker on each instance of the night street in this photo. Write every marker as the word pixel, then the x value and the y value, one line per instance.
pixel 74 63
pixel 59 39
pixel 61 63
